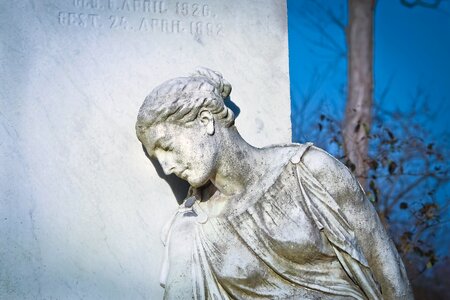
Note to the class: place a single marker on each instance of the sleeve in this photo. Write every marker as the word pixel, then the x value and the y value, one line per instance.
pixel 186 272
pixel 327 215
pixel 348 198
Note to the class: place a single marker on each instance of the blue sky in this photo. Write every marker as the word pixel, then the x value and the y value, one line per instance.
pixel 411 53
pixel 412 46
pixel 412 50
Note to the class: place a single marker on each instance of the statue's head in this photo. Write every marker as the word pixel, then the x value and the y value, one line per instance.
pixel 180 122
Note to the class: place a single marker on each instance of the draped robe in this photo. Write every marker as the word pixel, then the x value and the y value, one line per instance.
pixel 287 239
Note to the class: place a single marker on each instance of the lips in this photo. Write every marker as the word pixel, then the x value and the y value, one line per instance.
pixel 182 174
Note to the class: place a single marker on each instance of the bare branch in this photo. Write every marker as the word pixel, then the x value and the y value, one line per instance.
pixel 427 4
pixel 405 192
pixel 332 16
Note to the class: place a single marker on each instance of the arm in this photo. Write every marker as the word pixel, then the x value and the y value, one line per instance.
pixel 379 250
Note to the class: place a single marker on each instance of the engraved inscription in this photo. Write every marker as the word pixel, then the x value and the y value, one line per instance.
pixel 161 25
pixel 192 9
pixel 196 19
pixel 78 19
pixel 146 6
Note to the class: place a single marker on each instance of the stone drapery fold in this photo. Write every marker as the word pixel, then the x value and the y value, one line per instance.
pixel 294 198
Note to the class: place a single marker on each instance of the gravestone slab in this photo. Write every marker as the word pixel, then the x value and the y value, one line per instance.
pixel 81 208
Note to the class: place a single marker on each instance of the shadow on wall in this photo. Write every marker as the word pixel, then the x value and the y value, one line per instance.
pixel 178 186
pixel 234 108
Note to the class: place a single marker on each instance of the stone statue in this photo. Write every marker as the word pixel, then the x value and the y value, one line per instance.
pixel 280 222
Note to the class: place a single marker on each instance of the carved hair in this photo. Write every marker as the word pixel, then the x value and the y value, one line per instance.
pixel 179 100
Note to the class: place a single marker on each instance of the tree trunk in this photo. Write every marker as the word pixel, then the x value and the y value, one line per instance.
pixel 358 117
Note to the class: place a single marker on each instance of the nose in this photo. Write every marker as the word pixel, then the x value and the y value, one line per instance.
pixel 167 167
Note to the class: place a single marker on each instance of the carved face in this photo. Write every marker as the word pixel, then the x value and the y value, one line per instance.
pixel 188 152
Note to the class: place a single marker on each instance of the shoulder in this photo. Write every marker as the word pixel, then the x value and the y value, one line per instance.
pixel 337 179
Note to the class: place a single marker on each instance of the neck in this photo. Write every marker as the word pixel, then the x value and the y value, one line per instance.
pixel 238 164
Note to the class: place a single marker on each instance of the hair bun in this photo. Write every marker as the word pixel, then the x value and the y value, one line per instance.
pixel 223 86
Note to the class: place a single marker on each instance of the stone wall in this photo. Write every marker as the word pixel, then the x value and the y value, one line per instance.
pixel 81 207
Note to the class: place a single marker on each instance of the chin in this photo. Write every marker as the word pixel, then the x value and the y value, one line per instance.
pixel 198 182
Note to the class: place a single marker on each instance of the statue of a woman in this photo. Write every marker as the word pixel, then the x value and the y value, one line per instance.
pixel 281 222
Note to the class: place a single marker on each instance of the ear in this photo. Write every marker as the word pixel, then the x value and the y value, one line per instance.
pixel 206 119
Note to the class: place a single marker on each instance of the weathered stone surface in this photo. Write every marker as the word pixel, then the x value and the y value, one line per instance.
pixel 81 208
pixel 278 222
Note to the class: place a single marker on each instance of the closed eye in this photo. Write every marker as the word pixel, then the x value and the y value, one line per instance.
pixel 164 147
